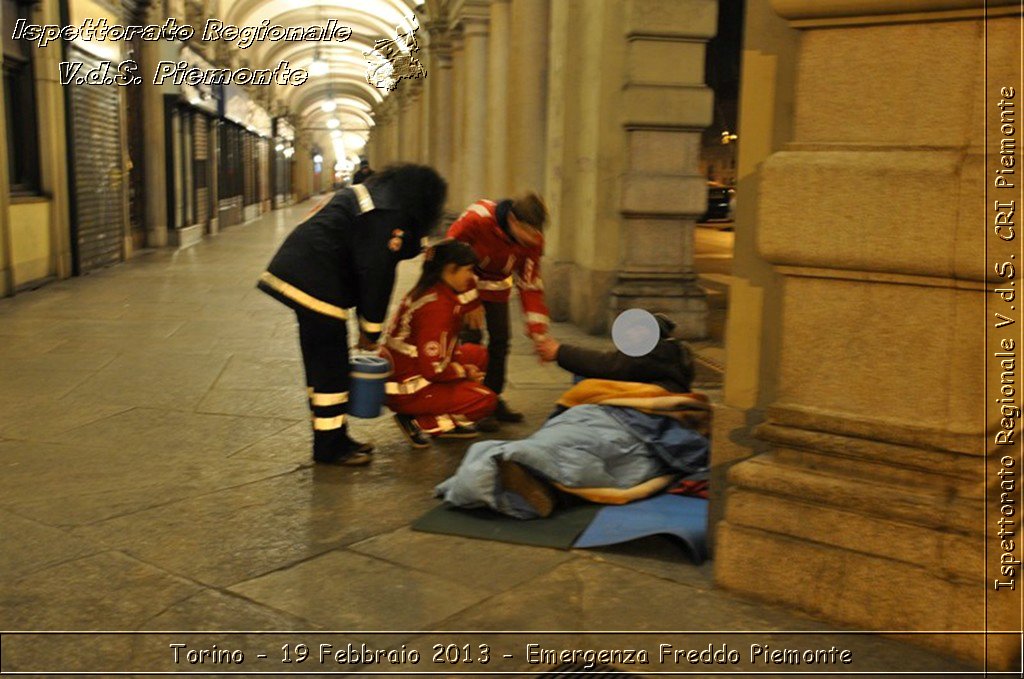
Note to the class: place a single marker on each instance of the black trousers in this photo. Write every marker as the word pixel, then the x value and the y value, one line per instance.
pixel 497 322
pixel 324 343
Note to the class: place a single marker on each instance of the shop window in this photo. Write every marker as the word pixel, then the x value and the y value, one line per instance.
pixel 19 104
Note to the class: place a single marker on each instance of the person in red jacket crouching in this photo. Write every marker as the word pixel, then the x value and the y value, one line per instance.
pixel 507 237
pixel 435 388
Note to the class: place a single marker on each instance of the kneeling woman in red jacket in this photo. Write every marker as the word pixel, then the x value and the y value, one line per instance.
pixel 436 385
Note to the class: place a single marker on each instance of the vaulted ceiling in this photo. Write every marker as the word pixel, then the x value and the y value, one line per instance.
pixel 344 81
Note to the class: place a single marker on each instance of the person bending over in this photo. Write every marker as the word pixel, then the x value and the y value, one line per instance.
pixel 436 388
pixel 344 256
pixel 508 239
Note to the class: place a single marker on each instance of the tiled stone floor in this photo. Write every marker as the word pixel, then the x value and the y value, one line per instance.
pixel 154 449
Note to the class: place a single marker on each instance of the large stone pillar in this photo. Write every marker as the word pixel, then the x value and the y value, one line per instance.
pixel 499 47
pixel 626 106
pixel 527 82
pixel 473 152
pixel 879 470
pixel 769 73
pixel 566 60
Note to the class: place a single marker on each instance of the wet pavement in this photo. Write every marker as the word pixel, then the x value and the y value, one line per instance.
pixel 156 476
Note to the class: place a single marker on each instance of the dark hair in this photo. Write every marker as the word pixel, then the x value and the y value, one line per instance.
pixel 419 190
pixel 436 258
pixel 530 208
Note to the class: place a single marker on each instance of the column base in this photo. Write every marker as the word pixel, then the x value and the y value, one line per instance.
pixel 156 238
pixel 186 237
pixel 681 299
pixel 871 534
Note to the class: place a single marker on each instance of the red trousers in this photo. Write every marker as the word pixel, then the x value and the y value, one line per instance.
pixel 440 406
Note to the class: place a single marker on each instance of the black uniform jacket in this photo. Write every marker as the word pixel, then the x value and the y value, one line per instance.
pixel 344 256
pixel 669 365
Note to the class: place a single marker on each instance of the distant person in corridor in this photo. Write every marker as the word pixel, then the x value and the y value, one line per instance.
pixel 363 173
pixel 341 257
pixel 508 239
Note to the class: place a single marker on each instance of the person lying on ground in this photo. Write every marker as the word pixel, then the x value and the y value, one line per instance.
pixel 435 389
pixel 611 441
pixel 668 365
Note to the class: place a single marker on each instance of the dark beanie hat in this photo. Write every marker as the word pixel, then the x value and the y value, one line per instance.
pixel 665 325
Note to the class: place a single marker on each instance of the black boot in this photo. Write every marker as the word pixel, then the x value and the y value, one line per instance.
pixel 505 414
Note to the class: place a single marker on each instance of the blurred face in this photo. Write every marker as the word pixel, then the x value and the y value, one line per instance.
pixel 523 232
pixel 458 278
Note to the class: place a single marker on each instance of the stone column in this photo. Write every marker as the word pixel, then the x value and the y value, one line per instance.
pixel 415 121
pixel 6 242
pixel 439 81
pixel 394 128
pixel 527 82
pixel 52 134
pixel 404 122
pixel 565 65
pixel 878 453
pixel 474 145
pixel 212 164
pixel 627 103
pixel 665 105
pixel 456 199
pixel 156 143
pixel 497 99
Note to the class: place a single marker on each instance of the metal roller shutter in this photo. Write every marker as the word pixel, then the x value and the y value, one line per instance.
pixel 98 173
pixel 201 156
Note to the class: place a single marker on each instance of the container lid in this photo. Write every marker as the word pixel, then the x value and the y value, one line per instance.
pixel 370 364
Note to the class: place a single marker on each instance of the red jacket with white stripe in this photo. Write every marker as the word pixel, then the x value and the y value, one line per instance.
pixel 422 338
pixel 503 262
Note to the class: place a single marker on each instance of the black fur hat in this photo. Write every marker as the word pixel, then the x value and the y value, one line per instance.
pixel 418 189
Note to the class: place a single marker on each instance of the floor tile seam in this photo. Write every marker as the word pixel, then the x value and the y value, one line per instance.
pixel 399 565
pixel 122 409
pixel 341 547
pixel 291 423
pixel 402 566
pixel 598 558
pixel 55 442
pixel 307 624
pixel 188 498
pixel 567 562
pixel 69 531
pixel 102 549
pixel 220 374
pixel 292 420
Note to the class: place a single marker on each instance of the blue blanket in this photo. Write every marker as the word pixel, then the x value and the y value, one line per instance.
pixel 588 446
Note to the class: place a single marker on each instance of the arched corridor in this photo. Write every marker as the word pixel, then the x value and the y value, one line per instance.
pixel 153 437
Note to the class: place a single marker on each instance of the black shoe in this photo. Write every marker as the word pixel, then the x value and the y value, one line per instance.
pixel 355 459
pixel 461 431
pixel 412 431
pixel 488 425
pixel 517 479
pixel 505 414
pixel 359 447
